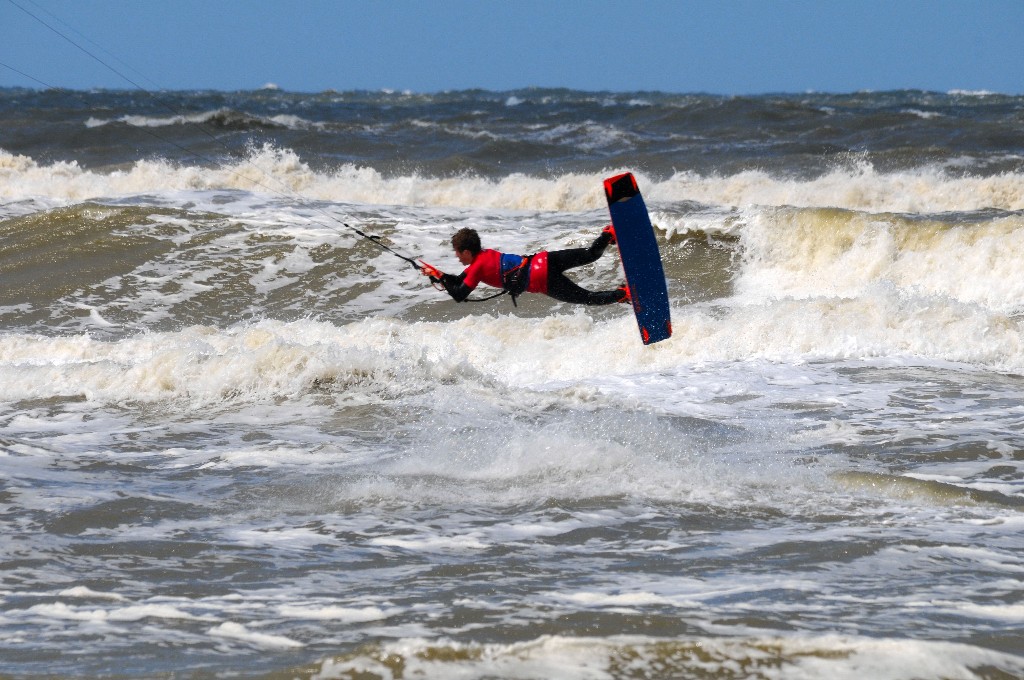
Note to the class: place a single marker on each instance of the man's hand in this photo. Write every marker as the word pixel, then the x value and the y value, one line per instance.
pixel 430 270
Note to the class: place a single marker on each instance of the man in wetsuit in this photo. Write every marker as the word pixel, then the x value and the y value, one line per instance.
pixel 540 273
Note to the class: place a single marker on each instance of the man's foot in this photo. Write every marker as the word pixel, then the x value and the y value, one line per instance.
pixel 623 290
pixel 610 230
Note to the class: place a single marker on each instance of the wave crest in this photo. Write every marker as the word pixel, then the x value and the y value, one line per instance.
pixel 219 119
pixel 273 170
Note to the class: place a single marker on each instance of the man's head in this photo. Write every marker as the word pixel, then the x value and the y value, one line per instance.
pixel 466 243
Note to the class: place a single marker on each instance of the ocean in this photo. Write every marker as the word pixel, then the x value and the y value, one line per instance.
pixel 239 439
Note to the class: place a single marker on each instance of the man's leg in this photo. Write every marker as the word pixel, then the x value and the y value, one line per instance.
pixel 560 260
pixel 564 290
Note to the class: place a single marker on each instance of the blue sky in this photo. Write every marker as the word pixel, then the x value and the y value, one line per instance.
pixel 715 46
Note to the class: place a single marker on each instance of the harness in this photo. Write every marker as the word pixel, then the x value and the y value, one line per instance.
pixel 515 275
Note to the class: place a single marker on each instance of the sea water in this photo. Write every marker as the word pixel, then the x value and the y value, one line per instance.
pixel 239 439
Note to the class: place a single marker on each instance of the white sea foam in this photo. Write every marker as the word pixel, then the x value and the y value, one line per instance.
pixel 926 190
pixel 468 374
pixel 973 93
pixel 926 115
pixel 770 658
pixel 801 254
pixel 240 633
pixel 270 358
pixel 88 593
pixel 60 610
pixel 315 612
pixel 205 118
pixel 282 172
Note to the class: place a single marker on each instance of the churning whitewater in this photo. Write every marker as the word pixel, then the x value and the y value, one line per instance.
pixel 238 438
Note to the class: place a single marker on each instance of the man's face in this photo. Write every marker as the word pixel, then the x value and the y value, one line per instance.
pixel 465 256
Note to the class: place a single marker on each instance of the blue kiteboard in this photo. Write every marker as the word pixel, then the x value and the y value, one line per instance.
pixel 640 256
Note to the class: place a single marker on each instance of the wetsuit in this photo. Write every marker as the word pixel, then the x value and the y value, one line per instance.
pixel 546 274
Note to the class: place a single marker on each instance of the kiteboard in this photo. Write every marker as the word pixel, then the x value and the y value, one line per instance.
pixel 641 259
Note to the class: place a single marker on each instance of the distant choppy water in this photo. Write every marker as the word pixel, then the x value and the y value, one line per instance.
pixel 236 439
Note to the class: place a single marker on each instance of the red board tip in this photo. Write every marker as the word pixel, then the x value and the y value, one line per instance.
pixel 620 187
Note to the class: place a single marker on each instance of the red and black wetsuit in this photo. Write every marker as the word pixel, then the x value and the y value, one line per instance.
pixel 546 274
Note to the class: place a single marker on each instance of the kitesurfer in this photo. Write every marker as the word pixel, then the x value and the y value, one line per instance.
pixel 542 272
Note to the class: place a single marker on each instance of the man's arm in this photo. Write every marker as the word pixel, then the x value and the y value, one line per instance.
pixel 455 286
